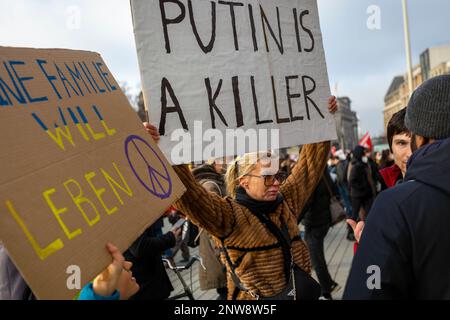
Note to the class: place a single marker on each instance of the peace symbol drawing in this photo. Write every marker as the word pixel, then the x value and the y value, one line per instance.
pixel 155 181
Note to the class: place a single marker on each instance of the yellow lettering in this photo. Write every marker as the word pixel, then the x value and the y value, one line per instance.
pixel 126 188
pixel 80 199
pixel 57 212
pixel 96 136
pixel 83 133
pixel 98 192
pixel 58 137
pixel 42 253
pixel 110 132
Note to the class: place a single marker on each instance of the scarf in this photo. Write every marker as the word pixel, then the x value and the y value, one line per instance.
pixel 255 206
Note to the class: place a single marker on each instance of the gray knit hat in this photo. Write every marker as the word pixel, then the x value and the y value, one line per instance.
pixel 428 112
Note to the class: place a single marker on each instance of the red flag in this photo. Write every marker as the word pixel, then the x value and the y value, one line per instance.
pixel 366 142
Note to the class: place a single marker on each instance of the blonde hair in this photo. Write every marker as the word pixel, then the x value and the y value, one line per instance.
pixel 242 166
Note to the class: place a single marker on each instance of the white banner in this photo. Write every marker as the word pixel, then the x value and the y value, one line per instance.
pixel 211 67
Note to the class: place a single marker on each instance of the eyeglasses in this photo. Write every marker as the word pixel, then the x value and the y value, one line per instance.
pixel 269 180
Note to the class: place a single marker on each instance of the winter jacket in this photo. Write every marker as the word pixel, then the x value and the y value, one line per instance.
pixel 254 252
pixel 407 234
pixel 318 213
pixel 360 173
pixel 341 172
pixel 215 274
pixel 148 268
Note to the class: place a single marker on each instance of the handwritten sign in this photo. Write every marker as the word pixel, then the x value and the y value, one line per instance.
pixel 221 65
pixel 77 168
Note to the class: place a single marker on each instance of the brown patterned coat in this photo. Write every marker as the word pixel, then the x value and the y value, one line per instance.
pixel 249 244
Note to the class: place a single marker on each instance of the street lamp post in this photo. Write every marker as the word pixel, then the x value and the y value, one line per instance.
pixel 407 47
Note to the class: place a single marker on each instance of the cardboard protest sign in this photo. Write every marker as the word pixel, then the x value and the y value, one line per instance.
pixel 77 169
pixel 222 65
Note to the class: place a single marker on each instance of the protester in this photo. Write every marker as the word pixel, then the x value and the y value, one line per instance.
pixel 114 283
pixel 317 222
pixel 257 192
pixel 158 229
pixel 406 236
pixel 399 139
pixel 210 176
pixel 362 188
pixel 148 268
pixel 180 243
pixel 342 181
pixel 342 185
pixel 375 179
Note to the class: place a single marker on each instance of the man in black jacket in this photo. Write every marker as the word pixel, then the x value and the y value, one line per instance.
pixel 404 249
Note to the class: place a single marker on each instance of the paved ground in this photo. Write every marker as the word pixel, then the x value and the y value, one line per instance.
pixel 338 252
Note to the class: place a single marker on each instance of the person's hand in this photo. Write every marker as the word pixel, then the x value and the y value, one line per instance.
pixel 152 130
pixel 332 105
pixel 176 232
pixel 107 282
pixel 357 227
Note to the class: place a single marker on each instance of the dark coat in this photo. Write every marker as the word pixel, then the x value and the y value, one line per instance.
pixel 407 233
pixel 341 173
pixel 148 268
pixel 318 207
pixel 358 182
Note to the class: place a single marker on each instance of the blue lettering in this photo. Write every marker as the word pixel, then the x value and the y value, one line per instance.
pixel 17 95
pixel 87 76
pixel 64 80
pixel 49 78
pixel 103 75
pixel 39 121
pixel 62 117
pixel 73 116
pixel 80 112
pixel 76 75
pixel 99 115
pixel 22 80
pixel 100 75
pixel 96 84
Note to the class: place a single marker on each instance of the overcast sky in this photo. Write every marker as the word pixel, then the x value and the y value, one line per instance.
pixel 362 61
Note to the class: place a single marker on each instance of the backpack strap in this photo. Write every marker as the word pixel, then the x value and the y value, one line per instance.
pixel 284 241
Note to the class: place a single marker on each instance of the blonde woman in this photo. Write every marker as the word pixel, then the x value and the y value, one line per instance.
pixel 255 259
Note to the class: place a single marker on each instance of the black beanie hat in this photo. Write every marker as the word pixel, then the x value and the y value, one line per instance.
pixel 428 112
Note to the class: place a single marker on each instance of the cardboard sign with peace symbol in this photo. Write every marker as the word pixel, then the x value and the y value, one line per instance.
pixel 77 168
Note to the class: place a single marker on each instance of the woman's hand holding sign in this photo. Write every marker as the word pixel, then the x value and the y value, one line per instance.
pixel 152 130
pixel 332 105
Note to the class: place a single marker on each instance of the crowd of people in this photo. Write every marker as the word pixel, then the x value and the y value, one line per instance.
pixel 247 215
